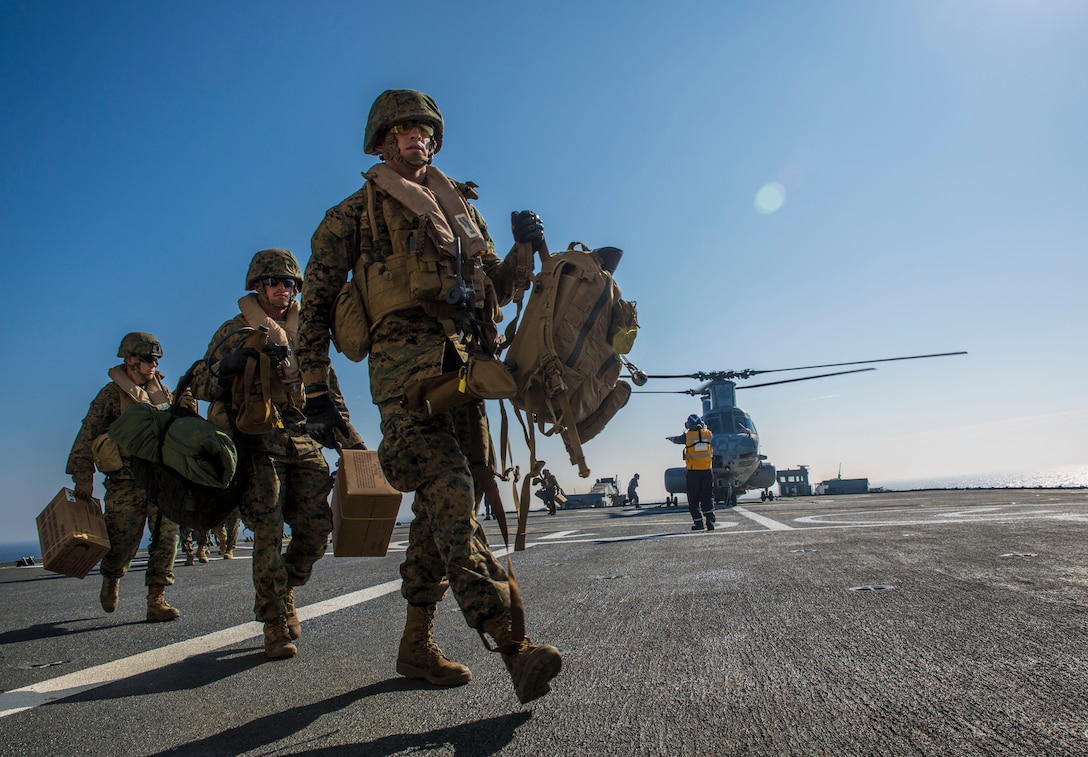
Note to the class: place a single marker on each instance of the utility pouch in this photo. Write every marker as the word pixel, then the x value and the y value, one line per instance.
pixel 252 391
pixel 482 378
pixel 488 378
pixel 106 455
pixel 424 271
pixel 350 325
pixel 624 326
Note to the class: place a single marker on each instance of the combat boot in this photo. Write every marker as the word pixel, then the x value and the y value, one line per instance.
pixel 277 639
pixel 158 609
pixel 419 655
pixel 227 554
pixel 202 555
pixel 294 627
pixel 108 595
pixel 189 559
pixel 530 665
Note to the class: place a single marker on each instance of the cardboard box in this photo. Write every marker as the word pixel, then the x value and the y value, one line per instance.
pixel 73 535
pixel 364 506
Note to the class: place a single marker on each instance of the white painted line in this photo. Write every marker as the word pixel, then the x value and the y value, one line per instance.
pixel 773 525
pixel 559 535
pixel 18 700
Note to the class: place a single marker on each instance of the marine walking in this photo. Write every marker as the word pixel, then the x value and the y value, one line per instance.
pixel 423 266
pixel 127 508
pixel 253 383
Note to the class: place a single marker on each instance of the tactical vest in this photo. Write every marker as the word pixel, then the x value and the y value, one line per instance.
pixel 108 457
pixel 698 452
pixel 264 391
pixel 418 235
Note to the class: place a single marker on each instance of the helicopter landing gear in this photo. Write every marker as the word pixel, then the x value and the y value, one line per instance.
pixel 730 496
pixel 766 495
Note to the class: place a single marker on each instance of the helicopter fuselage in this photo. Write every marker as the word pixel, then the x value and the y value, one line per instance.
pixel 737 465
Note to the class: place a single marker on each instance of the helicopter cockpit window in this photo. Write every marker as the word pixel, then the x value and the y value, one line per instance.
pixel 742 423
pixel 714 423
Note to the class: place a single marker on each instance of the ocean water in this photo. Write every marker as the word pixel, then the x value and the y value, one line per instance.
pixel 1070 476
pixel 13 550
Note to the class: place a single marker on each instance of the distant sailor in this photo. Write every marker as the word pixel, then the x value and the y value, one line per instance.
pixel 698 459
pixel 549 491
pixel 137 379
pixel 632 491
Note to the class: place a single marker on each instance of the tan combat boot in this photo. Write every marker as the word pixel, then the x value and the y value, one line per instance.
pixel 294 627
pixel 108 595
pixel 420 657
pixel 158 610
pixel 189 559
pixel 277 640
pixel 202 555
pixel 530 665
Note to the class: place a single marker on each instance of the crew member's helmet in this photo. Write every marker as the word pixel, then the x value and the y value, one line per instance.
pixel 140 343
pixel 273 263
pixel 693 421
pixel 396 106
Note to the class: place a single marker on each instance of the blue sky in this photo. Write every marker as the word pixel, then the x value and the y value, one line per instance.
pixel 931 156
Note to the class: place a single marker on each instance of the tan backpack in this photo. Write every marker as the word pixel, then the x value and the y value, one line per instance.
pixel 567 352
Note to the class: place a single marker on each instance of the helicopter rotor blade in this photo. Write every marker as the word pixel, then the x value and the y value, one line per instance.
pixel 749 372
pixel 857 362
pixel 804 378
pixel 689 392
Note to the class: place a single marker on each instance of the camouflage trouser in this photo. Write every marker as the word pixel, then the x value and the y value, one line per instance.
pixel 445 542
pixel 226 534
pixel 127 509
pixel 291 489
pixel 191 539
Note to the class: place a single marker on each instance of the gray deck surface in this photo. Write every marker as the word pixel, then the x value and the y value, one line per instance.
pixel 922 623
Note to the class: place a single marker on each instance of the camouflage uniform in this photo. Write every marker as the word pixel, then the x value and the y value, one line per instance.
pixel 127 506
pixel 431 287
pixel 288 482
pixel 433 456
pixel 226 534
pixel 192 541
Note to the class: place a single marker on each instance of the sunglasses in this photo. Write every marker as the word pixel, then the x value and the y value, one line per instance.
pixel 406 128
pixel 149 359
pixel 278 280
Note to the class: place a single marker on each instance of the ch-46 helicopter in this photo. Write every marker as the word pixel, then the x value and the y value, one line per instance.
pixel 738 467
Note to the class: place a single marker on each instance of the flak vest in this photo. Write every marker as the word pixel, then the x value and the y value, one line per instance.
pixel 415 265
pixel 108 457
pixel 283 380
pixel 698 452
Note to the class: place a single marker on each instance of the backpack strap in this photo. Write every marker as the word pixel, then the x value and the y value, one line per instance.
pixel 522 280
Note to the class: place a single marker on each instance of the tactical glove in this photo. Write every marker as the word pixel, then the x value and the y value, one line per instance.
pixel 527 227
pixel 323 419
pixel 234 363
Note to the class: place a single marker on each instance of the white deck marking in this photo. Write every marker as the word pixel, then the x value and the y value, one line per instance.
pixel 560 535
pixel 64 686
pixel 69 685
pixel 773 525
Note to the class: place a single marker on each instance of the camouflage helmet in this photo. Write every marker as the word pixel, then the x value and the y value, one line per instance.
pixel 273 263
pixel 140 343
pixel 395 106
